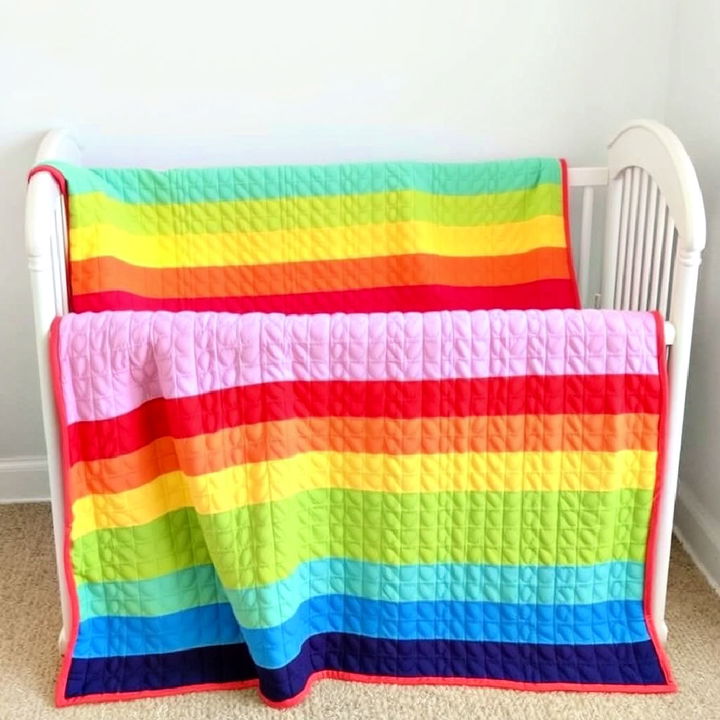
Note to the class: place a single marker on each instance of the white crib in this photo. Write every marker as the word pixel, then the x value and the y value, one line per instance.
pixel 647 258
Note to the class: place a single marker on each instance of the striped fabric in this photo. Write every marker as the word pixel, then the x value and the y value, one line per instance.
pixel 266 499
pixel 337 238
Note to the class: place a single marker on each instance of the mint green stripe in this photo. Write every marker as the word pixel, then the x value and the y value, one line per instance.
pixel 272 604
pixel 184 185
pixel 187 588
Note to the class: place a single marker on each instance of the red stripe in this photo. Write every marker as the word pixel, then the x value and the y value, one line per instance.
pixel 539 295
pixel 213 411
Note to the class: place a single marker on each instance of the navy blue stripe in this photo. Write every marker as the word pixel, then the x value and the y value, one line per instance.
pixel 617 664
pixel 216 664
pixel 622 663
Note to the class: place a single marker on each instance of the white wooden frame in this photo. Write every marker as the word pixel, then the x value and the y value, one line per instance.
pixel 653 239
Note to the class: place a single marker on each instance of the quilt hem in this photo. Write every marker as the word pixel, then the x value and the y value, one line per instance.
pixel 344 676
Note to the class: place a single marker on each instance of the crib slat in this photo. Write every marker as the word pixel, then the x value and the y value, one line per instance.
pixel 632 230
pixel 639 243
pixel 622 245
pixel 632 238
pixel 585 240
pixel 663 304
pixel 654 295
pixel 650 241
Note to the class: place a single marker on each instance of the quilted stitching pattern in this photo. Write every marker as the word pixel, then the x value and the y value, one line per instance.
pixel 416 490
pixel 361 238
pixel 195 354
pixel 263 498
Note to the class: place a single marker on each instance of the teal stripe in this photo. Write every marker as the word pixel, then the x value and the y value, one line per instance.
pixel 133 185
pixel 190 587
pixel 273 603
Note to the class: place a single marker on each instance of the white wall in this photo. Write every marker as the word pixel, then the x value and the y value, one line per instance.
pixel 693 111
pixel 302 81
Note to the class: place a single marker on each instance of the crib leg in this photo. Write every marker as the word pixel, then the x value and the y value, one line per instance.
pixel 62 641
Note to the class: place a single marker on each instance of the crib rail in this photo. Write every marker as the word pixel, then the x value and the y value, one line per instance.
pixel 46 243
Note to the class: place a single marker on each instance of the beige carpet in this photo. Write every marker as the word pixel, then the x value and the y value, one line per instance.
pixel 29 659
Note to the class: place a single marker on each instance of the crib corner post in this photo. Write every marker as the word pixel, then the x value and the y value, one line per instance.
pixel 46 253
pixel 687 266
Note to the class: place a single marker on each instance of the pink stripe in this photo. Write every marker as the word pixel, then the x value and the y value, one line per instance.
pixel 113 362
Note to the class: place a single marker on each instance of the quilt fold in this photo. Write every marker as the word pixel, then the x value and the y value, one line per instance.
pixel 440 497
pixel 375 237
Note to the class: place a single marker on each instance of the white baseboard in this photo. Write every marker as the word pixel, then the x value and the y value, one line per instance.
pixel 699 534
pixel 24 479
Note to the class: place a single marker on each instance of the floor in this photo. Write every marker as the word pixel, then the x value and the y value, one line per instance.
pixel 29 660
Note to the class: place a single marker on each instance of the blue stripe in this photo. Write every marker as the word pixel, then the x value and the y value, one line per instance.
pixel 611 622
pixel 199 585
pixel 113 636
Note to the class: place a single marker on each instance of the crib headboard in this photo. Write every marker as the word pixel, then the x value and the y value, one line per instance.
pixel 654 236
pixel 647 258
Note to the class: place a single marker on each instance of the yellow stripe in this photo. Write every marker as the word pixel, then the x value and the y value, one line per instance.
pixel 275 480
pixel 332 243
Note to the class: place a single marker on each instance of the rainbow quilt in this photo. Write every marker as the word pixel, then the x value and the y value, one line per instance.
pixel 337 238
pixel 437 497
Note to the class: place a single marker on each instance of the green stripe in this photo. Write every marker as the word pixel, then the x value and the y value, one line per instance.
pixel 172 542
pixel 263 543
pixel 305 213
pixel 254 183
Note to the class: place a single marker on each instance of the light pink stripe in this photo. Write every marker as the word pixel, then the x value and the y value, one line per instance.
pixel 112 362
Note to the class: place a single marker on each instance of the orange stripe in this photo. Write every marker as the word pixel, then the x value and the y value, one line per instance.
pixel 108 273
pixel 272 440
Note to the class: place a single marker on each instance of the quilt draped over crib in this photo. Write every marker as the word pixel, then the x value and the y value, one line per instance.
pixel 415 497
pixel 348 421
pixel 329 238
